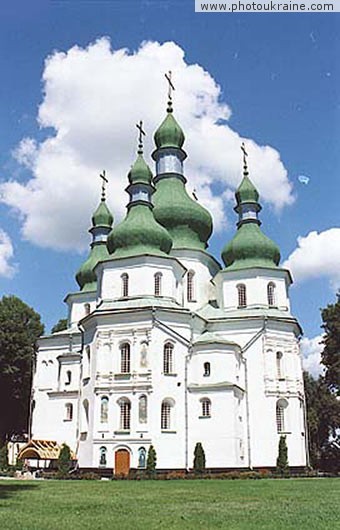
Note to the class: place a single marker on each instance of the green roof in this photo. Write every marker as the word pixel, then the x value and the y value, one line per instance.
pixel 102 216
pixel 250 248
pixel 85 276
pixel 188 223
pixel 246 192
pixel 140 172
pixel 169 133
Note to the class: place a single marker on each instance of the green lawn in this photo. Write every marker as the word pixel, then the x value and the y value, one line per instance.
pixel 311 504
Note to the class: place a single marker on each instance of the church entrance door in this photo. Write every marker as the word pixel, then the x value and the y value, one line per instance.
pixel 122 462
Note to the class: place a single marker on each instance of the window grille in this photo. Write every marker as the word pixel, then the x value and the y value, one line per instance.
pixel 271 294
pixel 125 358
pixel 190 287
pixel 125 284
pixel 165 416
pixel 206 408
pixel 279 364
pixel 242 295
pixel 168 358
pixel 280 417
pixel 102 459
pixel 125 410
pixel 158 284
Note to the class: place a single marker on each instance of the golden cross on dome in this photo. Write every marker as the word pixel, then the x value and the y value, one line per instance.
pixel 168 77
pixel 140 138
pixel 105 181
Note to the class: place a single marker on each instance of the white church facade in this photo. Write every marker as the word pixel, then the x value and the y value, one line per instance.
pixel 167 347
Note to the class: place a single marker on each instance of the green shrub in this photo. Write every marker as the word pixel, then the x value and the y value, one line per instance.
pixel 151 461
pixel 282 466
pixel 64 461
pixel 199 458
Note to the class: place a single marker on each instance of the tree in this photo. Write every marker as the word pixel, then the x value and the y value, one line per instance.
pixel 151 461
pixel 64 461
pixel 331 340
pixel 60 325
pixel 282 459
pixel 199 458
pixel 4 458
pixel 323 417
pixel 20 327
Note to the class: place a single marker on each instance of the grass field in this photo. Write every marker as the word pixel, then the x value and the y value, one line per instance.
pixel 311 504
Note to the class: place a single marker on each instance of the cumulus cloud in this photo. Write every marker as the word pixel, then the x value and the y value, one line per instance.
pixel 311 352
pixel 92 98
pixel 7 269
pixel 317 255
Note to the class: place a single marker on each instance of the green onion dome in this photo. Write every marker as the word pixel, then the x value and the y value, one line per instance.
pixel 140 173
pixel 85 276
pixel 102 216
pixel 102 221
pixel 188 223
pixel 169 133
pixel 246 192
pixel 250 248
pixel 139 233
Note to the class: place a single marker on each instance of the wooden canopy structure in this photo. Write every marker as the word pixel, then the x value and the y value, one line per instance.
pixel 42 450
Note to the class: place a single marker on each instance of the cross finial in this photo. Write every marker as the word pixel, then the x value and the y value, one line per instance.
pixel 245 154
pixel 171 87
pixel 140 138
pixel 104 182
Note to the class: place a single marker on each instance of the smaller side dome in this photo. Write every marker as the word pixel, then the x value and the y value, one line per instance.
pixel 102 216
pixel 169 133
pixel 246 192
pixel 250 248
pixel 140 173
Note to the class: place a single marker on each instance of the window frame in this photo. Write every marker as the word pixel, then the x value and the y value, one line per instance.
pixel 125 358
pixel 168 358
pixel 125 284
pixel 242 295
pixel 191 286
pixel 271 294
pixel 158 284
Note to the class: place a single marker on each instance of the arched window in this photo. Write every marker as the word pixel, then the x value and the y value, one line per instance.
pixel 166 415
pixel 242 295
pixel 125 413
pixel 125 284
pixel 279 365
pixel 168 358
pixel 68 412
pixel 206 407
pixel 143 409
pixel 142 457
pixel 87 309
pixel 102 457
pixel 125 358
pixel 104 409
pixel 190 286
pixel 206 367
pixel 68 377
pixel 158 283
pixel 281 405
pixel 271 293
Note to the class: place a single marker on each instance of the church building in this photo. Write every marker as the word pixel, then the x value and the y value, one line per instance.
pixel 167 346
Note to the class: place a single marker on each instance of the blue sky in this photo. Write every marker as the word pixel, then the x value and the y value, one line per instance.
pixel 279 76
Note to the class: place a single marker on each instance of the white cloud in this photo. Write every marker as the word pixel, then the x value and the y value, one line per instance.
pixel 92 99
pixel 6 253
pixel 317 255
pixel 311 351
